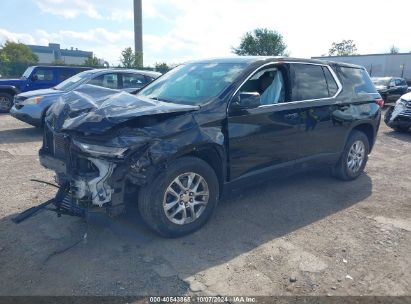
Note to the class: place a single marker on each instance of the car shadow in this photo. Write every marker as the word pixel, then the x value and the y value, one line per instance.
pixel 21 135
pixel 91 258
pixel 404 136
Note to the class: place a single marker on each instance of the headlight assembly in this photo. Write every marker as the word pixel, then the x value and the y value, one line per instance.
pixel 33 100
pixel 116 152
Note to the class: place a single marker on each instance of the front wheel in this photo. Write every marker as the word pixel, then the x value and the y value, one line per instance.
pixel 354 158
pixel 6 102
pixel 180 200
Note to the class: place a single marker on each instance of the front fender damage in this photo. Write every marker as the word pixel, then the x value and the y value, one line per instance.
pixel 151 149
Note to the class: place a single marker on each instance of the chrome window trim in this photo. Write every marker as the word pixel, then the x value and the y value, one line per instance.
pixel 334 75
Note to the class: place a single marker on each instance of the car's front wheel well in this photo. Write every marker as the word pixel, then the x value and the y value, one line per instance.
pixel 8 91
pixel 213 159
pixel 368 130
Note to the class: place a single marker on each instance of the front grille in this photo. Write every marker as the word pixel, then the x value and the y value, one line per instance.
pixel 59 146
pixel 54 144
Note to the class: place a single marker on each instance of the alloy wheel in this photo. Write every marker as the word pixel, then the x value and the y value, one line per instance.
pixel 186 198
pixel 356 156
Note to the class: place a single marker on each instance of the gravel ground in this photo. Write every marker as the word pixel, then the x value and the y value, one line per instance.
pixel 305 235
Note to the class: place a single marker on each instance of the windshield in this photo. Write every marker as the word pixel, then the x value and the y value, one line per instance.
pixel 381 81
pixel 74 81
pixel 193 84
pixel 27 72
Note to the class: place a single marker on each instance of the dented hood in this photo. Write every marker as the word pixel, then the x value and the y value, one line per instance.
pixel 95 110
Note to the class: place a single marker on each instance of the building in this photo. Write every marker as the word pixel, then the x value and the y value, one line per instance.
pixel 52 52
pixel 379 65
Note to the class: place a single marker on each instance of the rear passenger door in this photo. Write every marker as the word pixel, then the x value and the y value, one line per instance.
pixel 314 88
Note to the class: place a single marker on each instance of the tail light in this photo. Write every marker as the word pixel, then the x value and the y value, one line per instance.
pixel 380 102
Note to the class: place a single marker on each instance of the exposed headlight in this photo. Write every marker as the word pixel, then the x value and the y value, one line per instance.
pixel 401 102
pixel 101 150
pixel 33 100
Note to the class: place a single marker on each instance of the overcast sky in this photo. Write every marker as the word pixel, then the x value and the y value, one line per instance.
pixel 180 30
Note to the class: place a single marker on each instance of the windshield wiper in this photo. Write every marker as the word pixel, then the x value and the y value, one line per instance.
pixel 162 99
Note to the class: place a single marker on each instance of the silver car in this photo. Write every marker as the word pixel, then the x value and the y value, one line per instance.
pixel 32 106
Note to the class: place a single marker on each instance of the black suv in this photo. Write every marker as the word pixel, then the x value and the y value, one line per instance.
pixel 390 88
pixel 202 127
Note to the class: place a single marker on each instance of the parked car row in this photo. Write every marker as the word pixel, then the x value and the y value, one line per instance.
pixel 34 78
pixel 31 107
pixel 390 88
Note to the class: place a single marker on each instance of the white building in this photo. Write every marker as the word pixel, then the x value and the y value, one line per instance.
pixel 52 52
pixel 379 65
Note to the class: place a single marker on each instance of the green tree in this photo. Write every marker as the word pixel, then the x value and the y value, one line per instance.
pixel 394 50
pixel 129 59
pixel 15 58
pixel 92 61
pixel 261 42
pixel 162 67
pixel 343 48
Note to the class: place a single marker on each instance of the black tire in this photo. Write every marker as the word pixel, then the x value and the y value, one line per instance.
pixel 341 170
pixel 150 198
pixel 6 102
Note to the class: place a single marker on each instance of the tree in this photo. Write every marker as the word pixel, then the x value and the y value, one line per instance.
pixel 394 50
pixel 129 59
pixel 261 42
pixel 343 48
pixel 92 61
pixel 17 52
pixel 15 58
pixel 162 67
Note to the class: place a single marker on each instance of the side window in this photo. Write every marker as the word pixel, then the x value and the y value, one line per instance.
pixel 309 82
pixel 65 73
pixel 107 80
pixel 332 85
pixel 357 80
pixel 269 83
pixel 133 81
pixel 43 75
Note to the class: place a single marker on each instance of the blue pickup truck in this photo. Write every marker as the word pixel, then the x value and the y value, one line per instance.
pixel 34 78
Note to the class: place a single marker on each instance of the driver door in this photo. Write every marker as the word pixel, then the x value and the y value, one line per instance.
pixel 266 136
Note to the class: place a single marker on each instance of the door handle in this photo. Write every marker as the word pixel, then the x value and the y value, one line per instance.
pixel 291 116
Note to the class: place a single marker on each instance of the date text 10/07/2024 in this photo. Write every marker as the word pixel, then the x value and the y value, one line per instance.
pixel 202 299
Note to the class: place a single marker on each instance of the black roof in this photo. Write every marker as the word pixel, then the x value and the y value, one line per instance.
pixel 268 59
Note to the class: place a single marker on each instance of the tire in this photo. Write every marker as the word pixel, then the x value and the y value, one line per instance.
pixel 157 196
pixel 6 102
pixel 356 142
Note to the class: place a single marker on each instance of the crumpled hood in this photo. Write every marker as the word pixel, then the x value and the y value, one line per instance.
pixel 95 110
pixel 42 92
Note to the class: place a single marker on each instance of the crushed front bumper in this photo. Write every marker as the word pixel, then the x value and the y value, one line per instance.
pixel 400 115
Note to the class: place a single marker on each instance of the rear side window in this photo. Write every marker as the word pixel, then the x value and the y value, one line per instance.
pixel 309 82
pixel 358 80
pixel 133 81
pixel 332 85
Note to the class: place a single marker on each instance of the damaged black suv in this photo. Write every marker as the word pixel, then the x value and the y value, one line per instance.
pixel 202 127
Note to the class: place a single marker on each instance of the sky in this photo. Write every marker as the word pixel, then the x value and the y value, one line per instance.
pixel 175 31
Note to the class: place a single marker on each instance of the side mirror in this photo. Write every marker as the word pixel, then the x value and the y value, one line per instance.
pixel 34 78
pixel 249 100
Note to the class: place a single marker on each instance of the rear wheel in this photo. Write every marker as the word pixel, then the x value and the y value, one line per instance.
pixel 6 102
pixel 354 158
pixel 180 200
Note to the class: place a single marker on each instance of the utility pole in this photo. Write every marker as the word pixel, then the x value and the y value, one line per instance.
pixel 138 29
